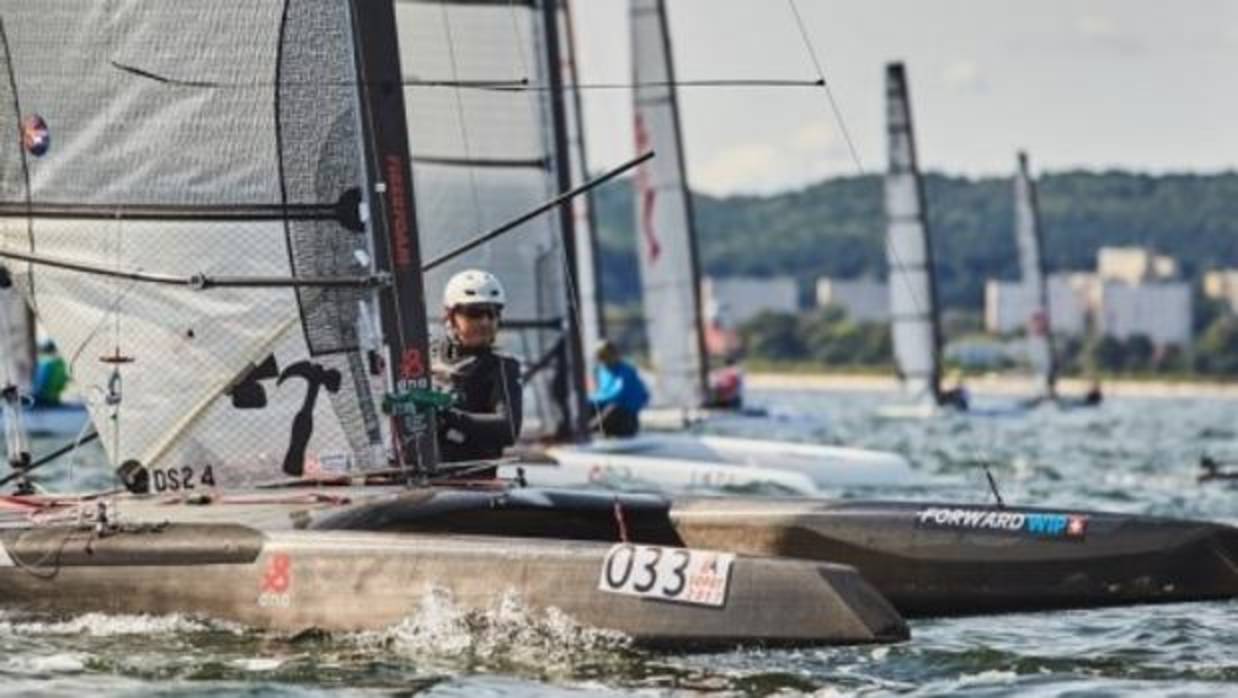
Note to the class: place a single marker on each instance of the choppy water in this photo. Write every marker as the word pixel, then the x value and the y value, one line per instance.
pixel 1131 455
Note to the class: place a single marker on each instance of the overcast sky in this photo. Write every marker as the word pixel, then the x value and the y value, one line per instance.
pixel 1138 84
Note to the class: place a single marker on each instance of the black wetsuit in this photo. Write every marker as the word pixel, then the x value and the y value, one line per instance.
pixel 487 413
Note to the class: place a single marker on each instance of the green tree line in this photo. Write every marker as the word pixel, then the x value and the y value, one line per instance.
pixel 835 228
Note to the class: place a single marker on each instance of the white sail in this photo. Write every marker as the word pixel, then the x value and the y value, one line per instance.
pixel 1031 265
pixel 664 234
pixel 187 139
pixel 483 155
pixel 913 302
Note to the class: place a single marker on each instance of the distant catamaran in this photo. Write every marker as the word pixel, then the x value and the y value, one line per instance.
pixel 1030 242
pixel 1039 330
pixel 916 326
pixel 666 237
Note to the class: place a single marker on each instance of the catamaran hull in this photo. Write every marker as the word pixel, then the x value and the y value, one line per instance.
pixel 681 462
pixel 928 559
pixel 347 581
pixel 951 560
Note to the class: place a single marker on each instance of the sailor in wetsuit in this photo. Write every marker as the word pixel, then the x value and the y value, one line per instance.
pixel 487 411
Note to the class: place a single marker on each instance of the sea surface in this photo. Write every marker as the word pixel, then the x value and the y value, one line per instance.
pixel 1130 455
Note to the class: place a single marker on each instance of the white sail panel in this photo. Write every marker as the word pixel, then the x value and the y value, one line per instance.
pixel 913 303
pixel 1031 265
pixel 181 135
pixel 482 157
pixel 663 220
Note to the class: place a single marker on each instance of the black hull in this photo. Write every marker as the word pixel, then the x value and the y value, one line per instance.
pixel 933 560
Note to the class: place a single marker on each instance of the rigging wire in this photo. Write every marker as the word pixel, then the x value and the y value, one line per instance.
pixel 816 63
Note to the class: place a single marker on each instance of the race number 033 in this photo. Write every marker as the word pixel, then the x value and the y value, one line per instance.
pixel 679 575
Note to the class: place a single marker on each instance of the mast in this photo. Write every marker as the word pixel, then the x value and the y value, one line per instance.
pixel 579 411
pixel 664 215
pixel 589 276
pixel 1030 240
pixel 393 224
pixel 909 250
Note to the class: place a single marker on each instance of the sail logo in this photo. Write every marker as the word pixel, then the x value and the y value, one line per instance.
pixel 397 197
pixel 249 394
pixel 647 194
pixel 35 135
pixel 1072 526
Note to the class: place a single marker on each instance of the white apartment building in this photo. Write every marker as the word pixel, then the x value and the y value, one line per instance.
pixel 864 299
pixel 1160 311
pixel 1008 305
pixel 1222 285
pixel 1134 265
pixel 738 299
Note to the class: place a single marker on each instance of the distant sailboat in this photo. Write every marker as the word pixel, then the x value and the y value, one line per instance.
pixel 665 222
pixel 1029 239
pixel 914 307
pixel 916 327
pixel 682 336
pixel 1039 329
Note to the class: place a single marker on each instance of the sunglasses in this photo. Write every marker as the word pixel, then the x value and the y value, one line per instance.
pixel 479 311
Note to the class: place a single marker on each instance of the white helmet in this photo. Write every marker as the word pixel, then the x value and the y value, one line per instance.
pixel 473 287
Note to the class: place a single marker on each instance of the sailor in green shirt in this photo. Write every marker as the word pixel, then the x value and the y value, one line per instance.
pixel 50 377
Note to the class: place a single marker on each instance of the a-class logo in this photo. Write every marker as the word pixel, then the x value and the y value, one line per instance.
pixel 1047 525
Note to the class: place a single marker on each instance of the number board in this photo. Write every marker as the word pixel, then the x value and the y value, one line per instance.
pixel 680 575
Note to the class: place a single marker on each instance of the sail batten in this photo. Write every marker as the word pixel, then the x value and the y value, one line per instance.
pixel 913 297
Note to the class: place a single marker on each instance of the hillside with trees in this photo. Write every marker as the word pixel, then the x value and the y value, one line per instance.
pixel 835 228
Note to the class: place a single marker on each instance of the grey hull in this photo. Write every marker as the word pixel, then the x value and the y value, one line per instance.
pixel 927 558
pixel 293 580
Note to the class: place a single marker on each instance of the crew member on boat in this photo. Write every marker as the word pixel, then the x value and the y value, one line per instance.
pixel 620 393
pixel 486 415
pixel 51 376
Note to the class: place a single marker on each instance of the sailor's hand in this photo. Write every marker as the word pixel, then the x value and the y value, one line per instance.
pixel 451 425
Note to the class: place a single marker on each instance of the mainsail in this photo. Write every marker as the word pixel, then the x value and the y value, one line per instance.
pixel 664 219
pixel 913 295
pixel 1031 264
pixel 483 153
pixel 188 212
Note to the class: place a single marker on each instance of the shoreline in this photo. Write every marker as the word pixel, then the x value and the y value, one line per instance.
pixel 990 385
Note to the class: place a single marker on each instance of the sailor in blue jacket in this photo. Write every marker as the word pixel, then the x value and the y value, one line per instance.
pixel 620 393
